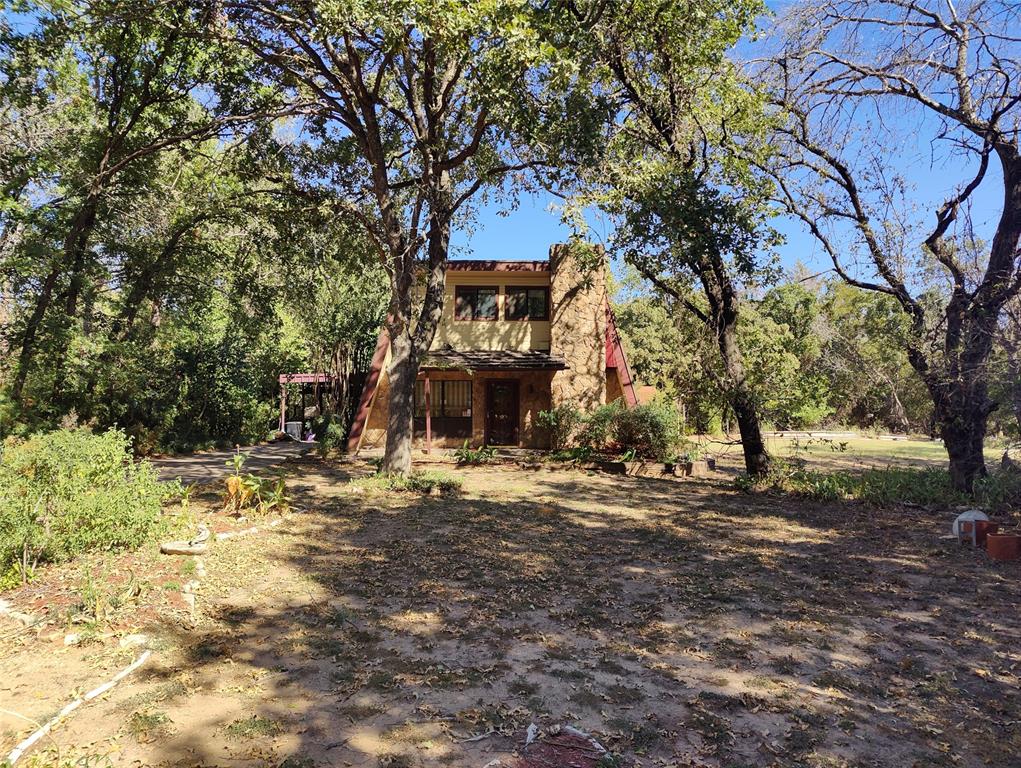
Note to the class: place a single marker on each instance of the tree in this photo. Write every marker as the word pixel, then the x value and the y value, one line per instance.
pixel 684 209
pixel 414 110
pixel 953 70
pixel 108 90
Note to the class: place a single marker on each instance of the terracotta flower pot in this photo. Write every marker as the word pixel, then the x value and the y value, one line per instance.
pixel 982 530
pixel 1003 546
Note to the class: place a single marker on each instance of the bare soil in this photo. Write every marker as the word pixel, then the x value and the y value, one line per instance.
pixel 678 622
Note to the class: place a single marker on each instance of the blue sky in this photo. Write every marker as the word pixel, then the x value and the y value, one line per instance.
pixel 528 231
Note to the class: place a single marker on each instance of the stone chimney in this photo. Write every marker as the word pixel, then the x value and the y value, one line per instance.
pixel 578 325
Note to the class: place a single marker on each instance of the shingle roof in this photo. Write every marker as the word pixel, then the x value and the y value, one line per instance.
pixel 493 360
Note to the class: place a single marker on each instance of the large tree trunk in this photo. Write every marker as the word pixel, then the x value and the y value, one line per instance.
pixel 409 345
pixel 740 397
pixel 963 430
pixel 402 374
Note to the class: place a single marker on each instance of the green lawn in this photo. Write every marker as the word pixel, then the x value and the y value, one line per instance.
pixel 868 449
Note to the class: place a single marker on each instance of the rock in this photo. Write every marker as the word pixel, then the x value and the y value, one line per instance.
pixel 190 587
pixel 72 639
pixel 134 640
pixel 183 548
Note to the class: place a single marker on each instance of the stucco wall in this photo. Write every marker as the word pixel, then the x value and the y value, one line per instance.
pixel 578 329
pixel 491 334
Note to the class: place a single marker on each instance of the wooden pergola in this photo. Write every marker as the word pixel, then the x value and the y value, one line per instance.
pixel 298 378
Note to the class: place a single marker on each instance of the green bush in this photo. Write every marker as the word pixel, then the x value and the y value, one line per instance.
pixel 650 431
pixel 561 423
pixel 330 434
pixel 70 491
pixel 598 427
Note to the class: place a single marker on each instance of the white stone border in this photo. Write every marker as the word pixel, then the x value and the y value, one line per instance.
pixel 25 745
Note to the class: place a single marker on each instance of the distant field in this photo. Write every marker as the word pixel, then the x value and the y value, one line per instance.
pixel 835 453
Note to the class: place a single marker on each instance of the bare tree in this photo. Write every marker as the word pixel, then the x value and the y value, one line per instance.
pixel 855 79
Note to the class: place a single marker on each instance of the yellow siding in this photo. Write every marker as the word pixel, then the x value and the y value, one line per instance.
pixel 491 334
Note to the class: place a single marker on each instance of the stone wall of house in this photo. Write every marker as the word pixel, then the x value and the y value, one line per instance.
pixel 578 328
pixel 533 391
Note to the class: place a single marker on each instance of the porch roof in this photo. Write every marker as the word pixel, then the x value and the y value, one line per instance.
pixel 493 360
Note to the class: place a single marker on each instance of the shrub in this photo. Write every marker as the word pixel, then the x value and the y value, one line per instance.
pixel 649 431
pixel 70 491
pixel 598 427
pixel 468 455
pixel 561 423
pixel 330 434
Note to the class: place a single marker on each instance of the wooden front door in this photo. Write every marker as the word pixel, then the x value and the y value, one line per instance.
pixel 501 412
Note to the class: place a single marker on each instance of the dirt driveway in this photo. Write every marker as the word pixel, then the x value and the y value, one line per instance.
pixel 680 623
pixel 210 465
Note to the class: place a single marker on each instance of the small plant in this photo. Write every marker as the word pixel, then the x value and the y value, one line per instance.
pixel 473 456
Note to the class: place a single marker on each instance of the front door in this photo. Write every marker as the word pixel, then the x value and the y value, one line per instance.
pixel 501 412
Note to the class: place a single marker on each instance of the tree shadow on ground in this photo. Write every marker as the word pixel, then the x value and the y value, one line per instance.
pixel 676 622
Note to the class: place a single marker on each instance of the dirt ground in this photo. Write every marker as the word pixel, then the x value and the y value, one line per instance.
pixel 678 622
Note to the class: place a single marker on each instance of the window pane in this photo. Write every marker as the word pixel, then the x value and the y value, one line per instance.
pixel 537 309
pixel 485 304
pixel 516 307
pixel 457 397
pixel 464 301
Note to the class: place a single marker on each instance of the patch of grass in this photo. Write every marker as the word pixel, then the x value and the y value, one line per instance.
pixel 148 726
pixel 297 761
pixel 425 481
pixel 251 728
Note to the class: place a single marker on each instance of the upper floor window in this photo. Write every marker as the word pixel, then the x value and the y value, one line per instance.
pixel 524 303
pixel 475 303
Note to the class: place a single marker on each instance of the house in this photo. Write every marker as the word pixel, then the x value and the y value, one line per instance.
pixel 515 338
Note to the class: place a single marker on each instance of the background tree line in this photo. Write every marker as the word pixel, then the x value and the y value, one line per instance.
pixel 821 354
pixel 200 194
pixel 158 265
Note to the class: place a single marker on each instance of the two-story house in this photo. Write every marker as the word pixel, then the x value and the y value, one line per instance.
pixel 515 338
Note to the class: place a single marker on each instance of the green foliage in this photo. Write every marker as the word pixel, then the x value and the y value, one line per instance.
pixel 561 423
pixel 424 481
pixel 246 491
pixel 71 491
pixel 598 426
pixel 331 435
pixel 467 455
pixel 929 486
pixel 648 431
